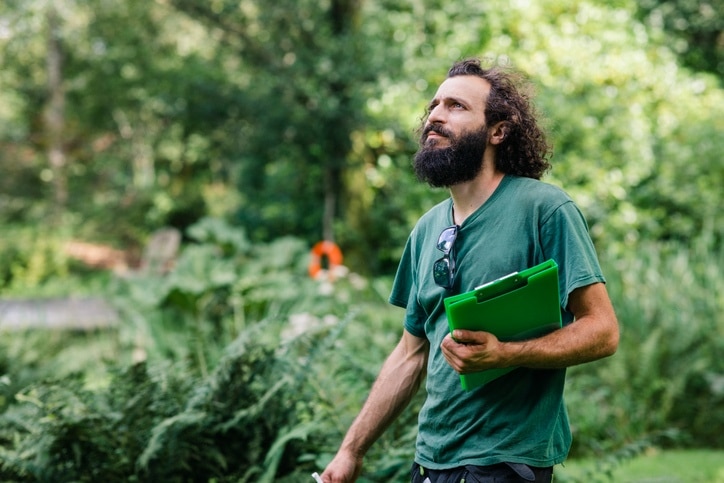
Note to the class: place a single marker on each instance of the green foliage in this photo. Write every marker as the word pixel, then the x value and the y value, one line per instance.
pixel 272 407
pixel 281 115
pixel 254 111
pixel 665 381
pixel 243 415
pixel 219 284
pixel 288 361
pixel 672 466
pixel 695 30
pixel 630 144
pixel 31 256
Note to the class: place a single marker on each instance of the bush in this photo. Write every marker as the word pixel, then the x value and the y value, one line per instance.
pixel 666 379
pixel 254 372
pixel 30 256
pixel 270 406
pixel 273 409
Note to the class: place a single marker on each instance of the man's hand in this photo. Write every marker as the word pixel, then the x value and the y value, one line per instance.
pixel 344 468
pixel 472 351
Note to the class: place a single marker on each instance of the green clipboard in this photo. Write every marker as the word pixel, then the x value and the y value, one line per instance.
pixel 521 305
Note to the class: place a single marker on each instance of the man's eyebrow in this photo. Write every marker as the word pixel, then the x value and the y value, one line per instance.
pixel 458 101
pixel 447 100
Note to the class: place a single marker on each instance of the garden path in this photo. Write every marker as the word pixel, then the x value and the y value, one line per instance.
pixel 88 313
pixel 65 313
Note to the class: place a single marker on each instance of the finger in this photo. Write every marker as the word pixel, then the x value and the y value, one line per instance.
pixel 448 349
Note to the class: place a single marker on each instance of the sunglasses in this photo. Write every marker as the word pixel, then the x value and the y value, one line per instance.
pixel 443 271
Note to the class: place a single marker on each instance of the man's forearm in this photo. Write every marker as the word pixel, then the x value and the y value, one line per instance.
pixel 592 336
pixel 397 383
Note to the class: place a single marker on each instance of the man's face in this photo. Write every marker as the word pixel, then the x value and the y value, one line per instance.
pixel 454 136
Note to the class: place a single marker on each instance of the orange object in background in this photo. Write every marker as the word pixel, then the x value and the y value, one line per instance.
pixel 327 249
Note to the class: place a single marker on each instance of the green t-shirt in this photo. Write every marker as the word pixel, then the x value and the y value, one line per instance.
pixel 520 417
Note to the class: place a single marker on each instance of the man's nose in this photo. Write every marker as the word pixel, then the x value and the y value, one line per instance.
pixel 437 115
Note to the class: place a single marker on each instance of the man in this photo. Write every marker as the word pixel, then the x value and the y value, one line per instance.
pixel 481 140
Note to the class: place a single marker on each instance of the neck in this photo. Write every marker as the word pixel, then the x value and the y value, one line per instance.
pixel 468 197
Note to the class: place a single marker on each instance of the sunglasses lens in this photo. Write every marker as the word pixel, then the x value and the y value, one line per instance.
pixel 447 239
pixel 442 272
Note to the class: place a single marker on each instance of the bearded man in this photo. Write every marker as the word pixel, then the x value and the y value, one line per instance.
pixel 481 139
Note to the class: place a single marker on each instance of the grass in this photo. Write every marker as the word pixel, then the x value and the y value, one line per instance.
pixel 655 466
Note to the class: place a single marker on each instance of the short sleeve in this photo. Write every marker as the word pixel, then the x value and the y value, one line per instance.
pixel 565 238
pixel 402 287
pixel 404 291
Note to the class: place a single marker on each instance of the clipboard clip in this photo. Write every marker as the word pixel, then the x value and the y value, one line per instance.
pixel 486 284
pixel 500 286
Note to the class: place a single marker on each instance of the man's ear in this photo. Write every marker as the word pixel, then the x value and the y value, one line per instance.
pixel 499 132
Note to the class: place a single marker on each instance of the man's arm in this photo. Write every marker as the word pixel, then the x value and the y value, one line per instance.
pixel 398 381
pixel 592 335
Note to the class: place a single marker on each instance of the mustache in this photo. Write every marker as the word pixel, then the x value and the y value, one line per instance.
pixel 436 129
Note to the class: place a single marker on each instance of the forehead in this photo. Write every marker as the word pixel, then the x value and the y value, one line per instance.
pixel 468 88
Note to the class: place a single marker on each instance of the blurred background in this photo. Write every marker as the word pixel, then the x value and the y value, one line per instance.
pixel 166 167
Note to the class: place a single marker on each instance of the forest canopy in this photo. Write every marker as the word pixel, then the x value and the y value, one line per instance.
pixel 298 117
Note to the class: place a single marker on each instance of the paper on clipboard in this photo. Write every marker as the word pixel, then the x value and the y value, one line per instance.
pixel 519 306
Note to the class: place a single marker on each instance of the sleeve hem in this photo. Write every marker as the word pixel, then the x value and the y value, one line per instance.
pixel 581 282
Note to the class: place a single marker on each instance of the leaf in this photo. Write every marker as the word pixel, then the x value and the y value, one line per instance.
pixel 168 431
pixel 253 411
pixel 275 453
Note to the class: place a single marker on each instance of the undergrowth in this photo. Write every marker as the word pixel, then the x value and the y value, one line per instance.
pixel 248 371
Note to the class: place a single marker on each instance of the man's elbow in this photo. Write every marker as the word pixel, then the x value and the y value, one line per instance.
pixel 610 340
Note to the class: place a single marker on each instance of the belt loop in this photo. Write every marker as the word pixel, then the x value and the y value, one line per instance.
pixel 422 473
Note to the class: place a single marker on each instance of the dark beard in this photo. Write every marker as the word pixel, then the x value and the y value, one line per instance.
pixel 455 164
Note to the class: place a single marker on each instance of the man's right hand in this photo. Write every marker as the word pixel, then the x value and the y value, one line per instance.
pixel 344 468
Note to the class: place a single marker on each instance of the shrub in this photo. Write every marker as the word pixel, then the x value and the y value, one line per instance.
pixel 254 372
pixel 30 256
pixel 270 406
pixel 666 379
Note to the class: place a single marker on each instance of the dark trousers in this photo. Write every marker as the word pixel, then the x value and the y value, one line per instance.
pixel 500 473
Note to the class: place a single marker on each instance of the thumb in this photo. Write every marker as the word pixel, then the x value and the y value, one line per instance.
pixel 463 336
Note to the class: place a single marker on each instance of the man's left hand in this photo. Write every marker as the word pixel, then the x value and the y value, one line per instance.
pixel 472 351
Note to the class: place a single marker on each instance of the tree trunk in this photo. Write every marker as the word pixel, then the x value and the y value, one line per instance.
pixel 343 16
pixel 55 112
pixel 331 189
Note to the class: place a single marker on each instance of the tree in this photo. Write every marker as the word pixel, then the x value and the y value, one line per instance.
pixel 55 110
pixel 297 59
pixel 695 30
pixel 299 117
pixel 632 143
pixel 130 111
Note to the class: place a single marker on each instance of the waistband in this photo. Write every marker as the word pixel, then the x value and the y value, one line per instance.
pixel 498 473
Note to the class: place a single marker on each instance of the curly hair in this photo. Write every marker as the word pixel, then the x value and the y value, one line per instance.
pixel 525 149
